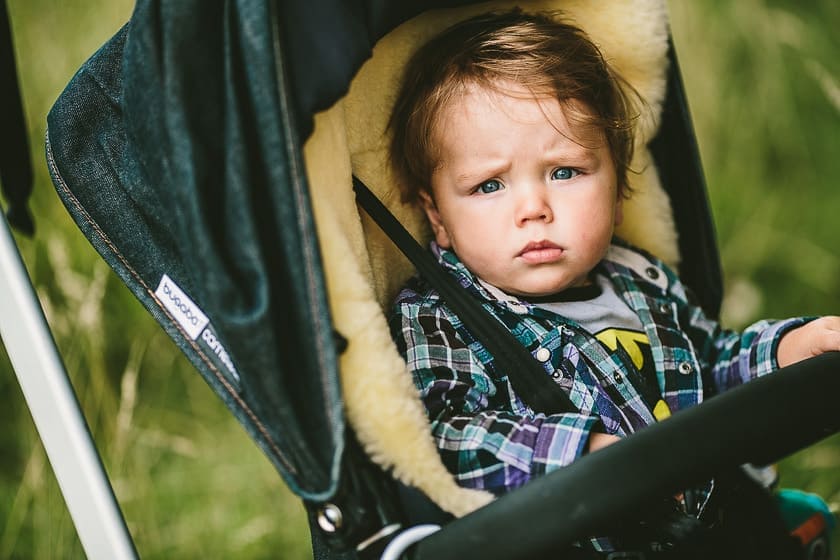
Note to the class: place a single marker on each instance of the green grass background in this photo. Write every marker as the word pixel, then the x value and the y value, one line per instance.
pixel 763 82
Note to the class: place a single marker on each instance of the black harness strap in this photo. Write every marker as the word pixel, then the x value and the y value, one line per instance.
pixel 530 381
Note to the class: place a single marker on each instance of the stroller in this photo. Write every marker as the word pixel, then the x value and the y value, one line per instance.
pixel 229 212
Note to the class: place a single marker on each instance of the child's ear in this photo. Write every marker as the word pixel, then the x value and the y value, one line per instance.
pixel 441 235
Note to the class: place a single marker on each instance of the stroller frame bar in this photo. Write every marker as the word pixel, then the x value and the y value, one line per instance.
pixel 55 410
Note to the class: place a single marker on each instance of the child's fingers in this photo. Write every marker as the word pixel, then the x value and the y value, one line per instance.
pixel 827 335
pixel 812 339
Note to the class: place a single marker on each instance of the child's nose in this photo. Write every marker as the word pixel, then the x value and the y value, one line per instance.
pixel 533 206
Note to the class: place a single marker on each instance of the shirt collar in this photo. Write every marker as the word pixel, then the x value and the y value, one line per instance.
pixel 450 262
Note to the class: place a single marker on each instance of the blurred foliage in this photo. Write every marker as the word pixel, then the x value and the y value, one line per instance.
pixel 763 83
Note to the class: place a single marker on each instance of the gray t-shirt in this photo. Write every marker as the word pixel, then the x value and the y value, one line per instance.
pixel 597 307
pixel 601 311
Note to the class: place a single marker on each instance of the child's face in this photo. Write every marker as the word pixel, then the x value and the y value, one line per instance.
pixel 527 204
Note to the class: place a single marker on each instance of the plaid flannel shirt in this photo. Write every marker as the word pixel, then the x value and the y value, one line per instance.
pixel 489 439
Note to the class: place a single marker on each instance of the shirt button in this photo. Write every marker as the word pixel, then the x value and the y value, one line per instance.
pixel 685 368
pixel 664 308
pixel 543 354
pixel 652 273
pixel 618 378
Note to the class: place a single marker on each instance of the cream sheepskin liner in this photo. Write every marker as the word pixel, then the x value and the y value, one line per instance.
pixel 363 269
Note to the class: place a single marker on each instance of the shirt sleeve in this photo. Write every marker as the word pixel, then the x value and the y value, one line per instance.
pixel 482 441
pixel 727 357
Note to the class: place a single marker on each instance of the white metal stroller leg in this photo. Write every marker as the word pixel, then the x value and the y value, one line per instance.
pixel 55 410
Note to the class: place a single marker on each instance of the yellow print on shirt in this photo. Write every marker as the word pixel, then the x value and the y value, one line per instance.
pixel 627 339
pixel 637 346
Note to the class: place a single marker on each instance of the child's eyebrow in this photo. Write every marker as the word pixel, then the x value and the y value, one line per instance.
pixel 481 173
pixel 577 155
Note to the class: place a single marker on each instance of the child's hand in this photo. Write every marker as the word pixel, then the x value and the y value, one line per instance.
pixel 598 441
pixel 811 339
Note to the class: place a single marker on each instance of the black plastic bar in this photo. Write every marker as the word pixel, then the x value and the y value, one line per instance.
pixel 760 422
pixel 15 159
pixel 677 158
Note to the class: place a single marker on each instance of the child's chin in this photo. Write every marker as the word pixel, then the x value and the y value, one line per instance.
pixel 539 289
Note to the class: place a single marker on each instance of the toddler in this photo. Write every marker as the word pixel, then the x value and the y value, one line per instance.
pixel 515 136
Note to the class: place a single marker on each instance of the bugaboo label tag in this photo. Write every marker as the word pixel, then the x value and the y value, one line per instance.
pixel 182 308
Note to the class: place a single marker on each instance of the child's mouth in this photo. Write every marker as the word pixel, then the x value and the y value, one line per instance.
pixel 541 252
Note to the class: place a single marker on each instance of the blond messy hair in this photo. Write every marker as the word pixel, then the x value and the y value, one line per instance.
pixel 538 52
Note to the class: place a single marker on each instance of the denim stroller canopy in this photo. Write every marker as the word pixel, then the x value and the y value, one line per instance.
pixel 175 149
pixel 198 146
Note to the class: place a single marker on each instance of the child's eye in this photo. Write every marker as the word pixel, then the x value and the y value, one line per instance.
pixel 490 186
pixel 564 173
